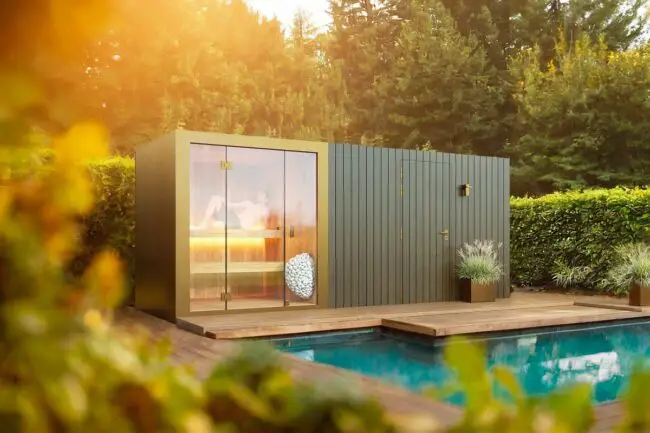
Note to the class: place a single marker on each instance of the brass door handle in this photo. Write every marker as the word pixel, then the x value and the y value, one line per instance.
pixel 445 233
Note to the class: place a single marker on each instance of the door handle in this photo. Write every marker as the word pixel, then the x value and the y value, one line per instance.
pixel 292 231
pixel 445 233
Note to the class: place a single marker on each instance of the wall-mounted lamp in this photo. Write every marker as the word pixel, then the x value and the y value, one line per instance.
pixel 465 190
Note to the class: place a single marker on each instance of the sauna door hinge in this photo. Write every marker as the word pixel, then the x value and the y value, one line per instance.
pixel 401 233
pixel 226 165
pixel 401 181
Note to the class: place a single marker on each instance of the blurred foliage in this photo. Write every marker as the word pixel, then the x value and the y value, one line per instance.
pixel 565 233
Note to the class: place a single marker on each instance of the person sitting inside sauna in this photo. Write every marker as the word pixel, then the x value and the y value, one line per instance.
pixel 251 215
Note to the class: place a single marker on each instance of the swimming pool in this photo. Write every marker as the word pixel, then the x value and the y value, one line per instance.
pixel 603 355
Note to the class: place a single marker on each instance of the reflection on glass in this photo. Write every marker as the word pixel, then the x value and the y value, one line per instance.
pixel 207 223
pixel 254 221
pixel 301 228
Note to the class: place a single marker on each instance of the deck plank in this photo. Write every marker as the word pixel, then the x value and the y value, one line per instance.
pixel 521 318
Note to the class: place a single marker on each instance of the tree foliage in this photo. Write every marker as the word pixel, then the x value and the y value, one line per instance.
pixel 440 90
pixel 220 66
pixel 428 86
pixel 437 74
pixel 586 123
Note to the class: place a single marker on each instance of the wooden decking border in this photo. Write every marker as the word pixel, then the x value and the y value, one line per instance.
pixel 426 319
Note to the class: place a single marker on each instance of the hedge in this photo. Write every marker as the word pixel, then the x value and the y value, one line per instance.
pixel 112 222
pixel 572 228
pixel 575 229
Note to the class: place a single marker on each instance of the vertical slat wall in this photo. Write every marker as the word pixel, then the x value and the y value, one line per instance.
pixel 369 263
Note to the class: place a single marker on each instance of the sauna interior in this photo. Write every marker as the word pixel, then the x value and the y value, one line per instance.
pixel 251 211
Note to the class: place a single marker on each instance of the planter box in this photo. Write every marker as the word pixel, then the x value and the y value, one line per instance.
pixel 639 295
pixel 471 291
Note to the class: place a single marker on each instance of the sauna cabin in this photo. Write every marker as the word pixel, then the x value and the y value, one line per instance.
pixel 231 223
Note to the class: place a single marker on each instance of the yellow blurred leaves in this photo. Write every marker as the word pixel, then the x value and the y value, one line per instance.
pixel 93 319
pixel 60 244
pixel 84 141
pixel 197 422
pixel 73 22
pixel 5 201
pixel 18 92
pixel 104 279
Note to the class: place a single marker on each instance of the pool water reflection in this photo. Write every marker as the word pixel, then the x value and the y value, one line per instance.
pixel 603 355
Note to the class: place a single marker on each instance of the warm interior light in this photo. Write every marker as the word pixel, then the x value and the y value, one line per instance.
pixel 213 242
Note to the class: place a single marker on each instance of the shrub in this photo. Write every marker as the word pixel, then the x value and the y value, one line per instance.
pixel 632 266
pixel 576 230
pixel 111 223
pixel 571 276
pixel 479 262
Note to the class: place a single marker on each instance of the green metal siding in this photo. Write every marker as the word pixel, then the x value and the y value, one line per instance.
pixel 387 209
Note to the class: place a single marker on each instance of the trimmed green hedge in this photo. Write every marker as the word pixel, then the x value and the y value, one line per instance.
pixel 112 222
pixel 575 229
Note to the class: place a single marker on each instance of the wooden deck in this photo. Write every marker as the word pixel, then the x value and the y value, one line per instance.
pixel 523 310
pixel 439 325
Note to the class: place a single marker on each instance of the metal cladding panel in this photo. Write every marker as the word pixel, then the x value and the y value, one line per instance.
pixel 398 219
pixel 155 231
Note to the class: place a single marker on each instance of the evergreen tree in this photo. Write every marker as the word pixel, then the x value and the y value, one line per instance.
pixel 587 126
pixel 360 47
pixel 439 91
pixel 620 22
pixel 219 67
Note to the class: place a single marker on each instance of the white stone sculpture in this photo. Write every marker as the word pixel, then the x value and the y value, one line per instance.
pixel 300 274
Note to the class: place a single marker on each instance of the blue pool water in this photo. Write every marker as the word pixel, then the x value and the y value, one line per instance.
pixel 603 355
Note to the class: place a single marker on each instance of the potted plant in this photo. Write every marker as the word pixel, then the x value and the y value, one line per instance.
pixel 633 273
pixel 479 271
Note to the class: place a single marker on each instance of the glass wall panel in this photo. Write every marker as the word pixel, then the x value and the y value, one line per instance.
pixel 301 228
pixel 207 228
pixel 255 228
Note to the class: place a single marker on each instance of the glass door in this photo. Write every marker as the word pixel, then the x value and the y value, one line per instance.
pixel 301 228
pixel 253 228
pixel 255 244
pixel 207 228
